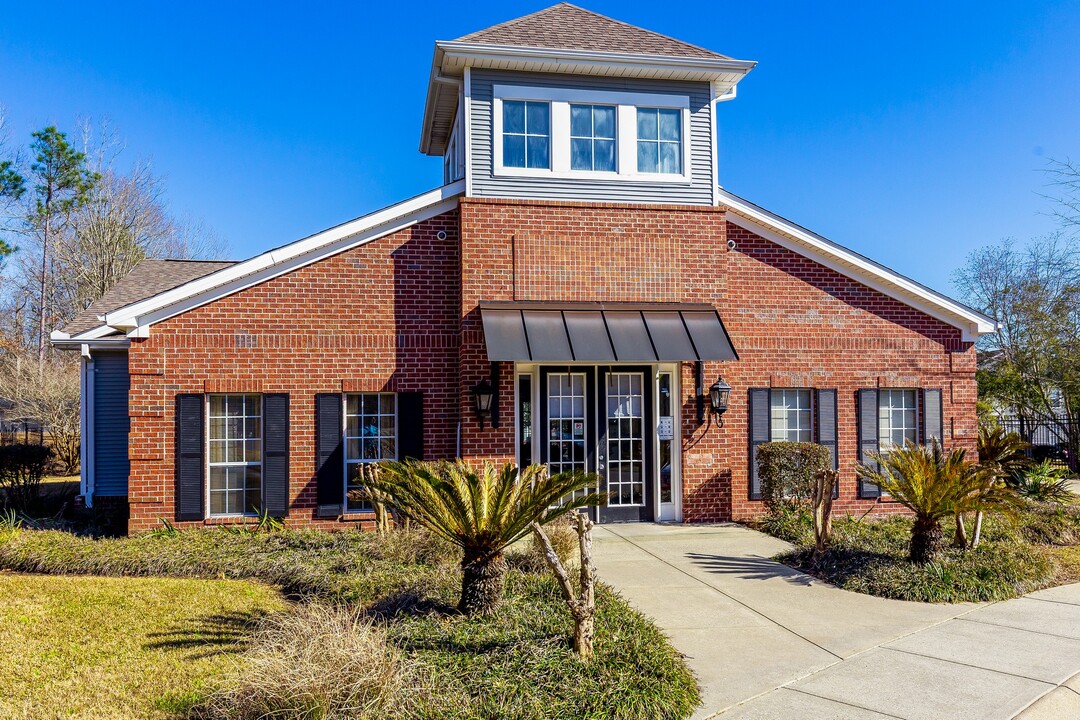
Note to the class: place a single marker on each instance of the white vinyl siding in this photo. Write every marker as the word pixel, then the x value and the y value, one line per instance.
pixel 371 435
pixel 234 439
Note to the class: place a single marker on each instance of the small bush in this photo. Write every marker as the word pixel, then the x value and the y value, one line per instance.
pixel 317 661
pixel 787 471
pixel 1044 483
pixel 22 467
pixel 563 539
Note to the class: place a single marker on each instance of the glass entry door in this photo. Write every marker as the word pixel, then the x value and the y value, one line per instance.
pixel 600 420
pixel 624 458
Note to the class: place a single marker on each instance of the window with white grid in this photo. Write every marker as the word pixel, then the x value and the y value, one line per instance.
pixel 897 418
pixel 791 416
pixel 370 436
pixel 234 439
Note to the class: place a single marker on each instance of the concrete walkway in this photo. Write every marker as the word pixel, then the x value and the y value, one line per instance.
pixel 767 641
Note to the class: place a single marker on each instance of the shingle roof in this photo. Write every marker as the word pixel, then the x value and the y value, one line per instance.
pixel 150 277
pixel 568 27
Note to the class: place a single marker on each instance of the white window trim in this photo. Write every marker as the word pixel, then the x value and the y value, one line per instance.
pixel 676 444
pixel 345 447
pixel 207 514
pixel 626 105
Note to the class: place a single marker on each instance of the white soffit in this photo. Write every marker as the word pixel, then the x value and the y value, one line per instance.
pixel 134 319
pixel 452 58
pixel 787 234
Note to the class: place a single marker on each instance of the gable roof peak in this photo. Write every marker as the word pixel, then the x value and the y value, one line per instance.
pixel 565 26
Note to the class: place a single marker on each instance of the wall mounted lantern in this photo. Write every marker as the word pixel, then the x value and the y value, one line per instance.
pixel 719 395
pixel 483 397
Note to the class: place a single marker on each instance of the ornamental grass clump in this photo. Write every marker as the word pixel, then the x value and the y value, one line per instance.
pixel 936 485
pixel 481 511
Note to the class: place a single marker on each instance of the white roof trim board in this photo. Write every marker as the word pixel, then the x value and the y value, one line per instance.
pixel 787 234
pixel 453 57
pixel 135 319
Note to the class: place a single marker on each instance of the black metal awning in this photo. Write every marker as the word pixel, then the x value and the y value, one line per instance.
pixel 604 332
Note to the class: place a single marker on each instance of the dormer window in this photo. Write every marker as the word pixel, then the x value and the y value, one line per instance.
pixel 659 140
pixel 592 137
pixel 589 134
pixel 526 134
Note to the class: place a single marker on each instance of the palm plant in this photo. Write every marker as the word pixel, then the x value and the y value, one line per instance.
pixel 1045 483
pixel 934 484
pixel 482 512
pixel 1006 452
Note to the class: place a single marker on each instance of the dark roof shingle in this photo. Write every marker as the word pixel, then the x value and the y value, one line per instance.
pixel 150 277
pixel 568 27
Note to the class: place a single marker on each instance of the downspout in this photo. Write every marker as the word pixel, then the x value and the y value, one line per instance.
pixel 86 426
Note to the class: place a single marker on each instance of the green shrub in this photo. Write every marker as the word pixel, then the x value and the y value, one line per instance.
pixel 870 556
pixel 1044 483
pixel 787 471
pixel 22 467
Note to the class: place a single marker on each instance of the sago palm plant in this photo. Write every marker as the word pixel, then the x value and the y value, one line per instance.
pixel 934 485
pixel 481 511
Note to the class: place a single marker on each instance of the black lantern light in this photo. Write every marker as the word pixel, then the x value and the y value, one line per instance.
pixel 483 394
pixel 719 394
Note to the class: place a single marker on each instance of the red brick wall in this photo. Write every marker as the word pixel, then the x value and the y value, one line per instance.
pixel 400 314
pixel 379 317
pixel 793 322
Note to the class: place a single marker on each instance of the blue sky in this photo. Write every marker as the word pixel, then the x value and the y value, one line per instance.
pixel 912 132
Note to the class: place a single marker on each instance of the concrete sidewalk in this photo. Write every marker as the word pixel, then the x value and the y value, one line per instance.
pixel 767 641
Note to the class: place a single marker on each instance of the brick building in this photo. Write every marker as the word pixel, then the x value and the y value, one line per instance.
pixel 568 296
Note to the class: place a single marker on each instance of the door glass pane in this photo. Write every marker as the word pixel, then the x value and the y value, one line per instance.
pixel 664 446
pixel 626 440
pixel 567 431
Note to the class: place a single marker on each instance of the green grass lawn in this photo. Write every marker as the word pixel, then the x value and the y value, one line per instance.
pixel 517 665
pixel 1038 548
pixel 103 648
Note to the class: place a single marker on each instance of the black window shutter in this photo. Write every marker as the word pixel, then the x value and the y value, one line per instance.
pixel 329 455
pixel 276 454
pixel 760 432
pixel 825 423
pixel 410 425
pixel 190 444
pixel 932 415
pixel 868 437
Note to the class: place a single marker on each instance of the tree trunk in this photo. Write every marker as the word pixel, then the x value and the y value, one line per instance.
pixel 960 539
pixel 977 534
pixel 582 605
pixel 482 577
pixel 41 299
pixel 925 539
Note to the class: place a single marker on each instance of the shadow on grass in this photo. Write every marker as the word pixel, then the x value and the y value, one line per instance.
pixel 839 565
pixel 208 635
pixel 408 603
pixel 746 568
